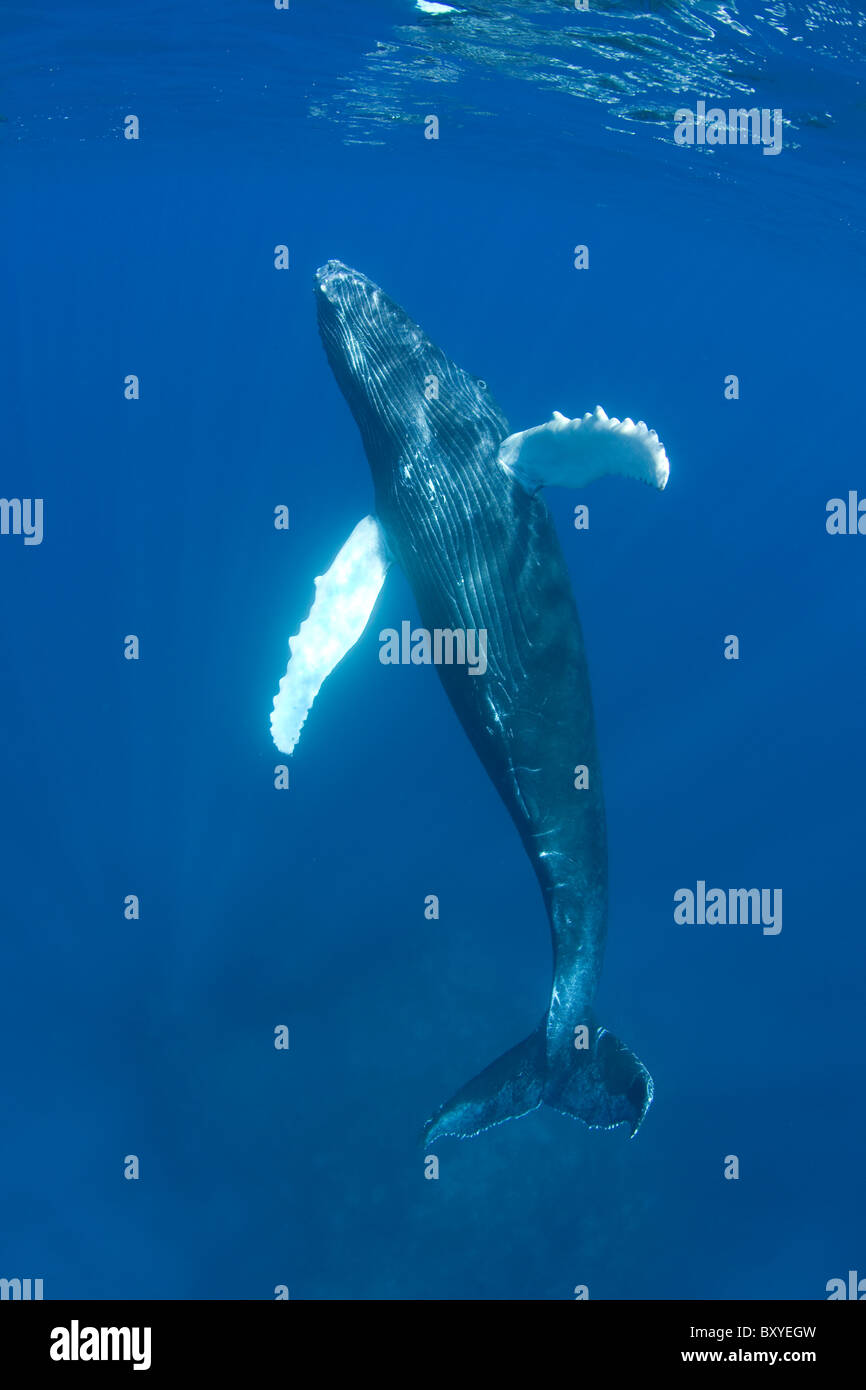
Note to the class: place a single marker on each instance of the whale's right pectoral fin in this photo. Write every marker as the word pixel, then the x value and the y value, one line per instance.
pixel 345 598
pixel 572 453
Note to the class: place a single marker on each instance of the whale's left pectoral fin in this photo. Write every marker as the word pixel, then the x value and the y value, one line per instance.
pixel 345 598
pixel 572 453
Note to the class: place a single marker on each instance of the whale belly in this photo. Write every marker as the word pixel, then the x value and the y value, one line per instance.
pixel 481 554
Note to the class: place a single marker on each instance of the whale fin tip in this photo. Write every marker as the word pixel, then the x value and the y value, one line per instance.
pixel 510 1087
pixel 345 597
pixel 609 1087
pixel 572 453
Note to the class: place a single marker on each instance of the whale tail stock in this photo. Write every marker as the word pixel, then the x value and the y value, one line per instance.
pixel 603 1085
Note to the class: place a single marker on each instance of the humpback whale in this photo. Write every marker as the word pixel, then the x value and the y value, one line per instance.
pixel 459 508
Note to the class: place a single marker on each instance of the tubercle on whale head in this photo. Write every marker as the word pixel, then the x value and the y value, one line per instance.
pixel 379 357
pixel 404 392
pixel 349 304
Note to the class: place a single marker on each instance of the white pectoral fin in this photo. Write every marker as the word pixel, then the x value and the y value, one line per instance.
pixel 572 453
pixel 345 597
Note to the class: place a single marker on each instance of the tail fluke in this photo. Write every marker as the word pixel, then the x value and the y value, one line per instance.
pixel 511 1086
pixel 603 1085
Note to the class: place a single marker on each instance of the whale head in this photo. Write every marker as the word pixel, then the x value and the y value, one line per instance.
pixel 408 398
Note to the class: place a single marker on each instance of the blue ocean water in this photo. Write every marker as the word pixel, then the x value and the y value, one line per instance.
pixel 154 1037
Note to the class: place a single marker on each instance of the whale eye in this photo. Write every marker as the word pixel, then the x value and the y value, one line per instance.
pixel 482 384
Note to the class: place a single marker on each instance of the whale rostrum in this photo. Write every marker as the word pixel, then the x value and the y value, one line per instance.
pixel 458 507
